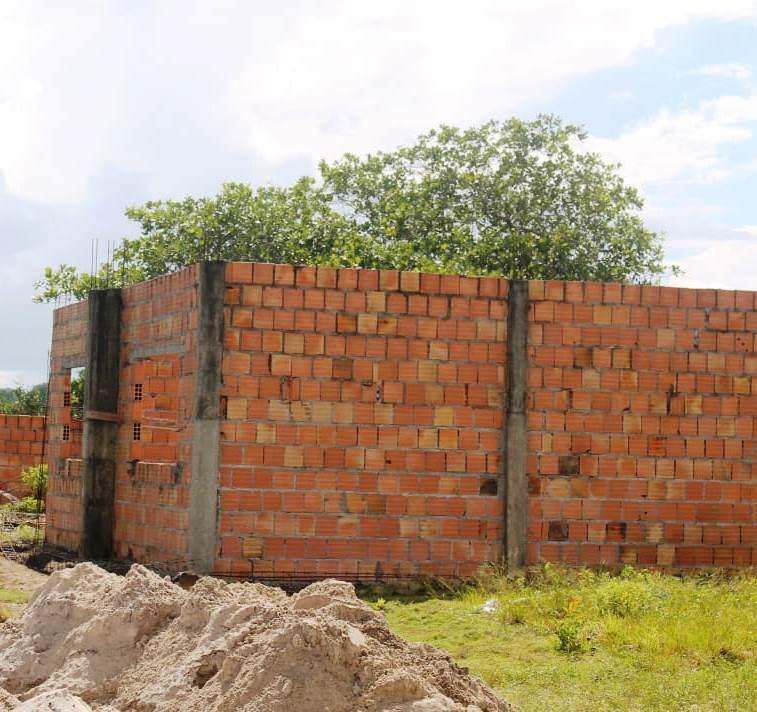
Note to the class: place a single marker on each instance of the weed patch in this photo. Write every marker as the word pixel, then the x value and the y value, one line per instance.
pixel 587 640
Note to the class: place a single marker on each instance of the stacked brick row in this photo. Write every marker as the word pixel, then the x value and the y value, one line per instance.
pixel 21 445
pixel 642 425
pixel 364 417
pixel 156 393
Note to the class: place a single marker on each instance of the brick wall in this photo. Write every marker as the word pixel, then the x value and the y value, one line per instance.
pixel 64 427
pixel 155 394
pixel 642 425
pixel 158 336
pixel 21 443
pixel 364 422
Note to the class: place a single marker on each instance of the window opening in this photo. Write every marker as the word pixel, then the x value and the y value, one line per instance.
pixel 76 395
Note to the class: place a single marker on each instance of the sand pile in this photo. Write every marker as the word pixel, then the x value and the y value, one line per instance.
pixel 140 642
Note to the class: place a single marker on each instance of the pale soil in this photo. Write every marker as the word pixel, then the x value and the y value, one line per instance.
pixel 20 578
pixel 139 642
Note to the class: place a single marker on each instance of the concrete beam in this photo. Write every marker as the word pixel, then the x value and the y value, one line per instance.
pixel 73 361
pixel 206 424
pixel 516 429
pixel 98 480
pixel 149 350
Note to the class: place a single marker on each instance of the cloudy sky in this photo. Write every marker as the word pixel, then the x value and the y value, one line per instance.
pixel 110 103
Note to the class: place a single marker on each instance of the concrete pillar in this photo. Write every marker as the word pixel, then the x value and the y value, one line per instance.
pixel 516 429
pixel 98 481
pixel 206 424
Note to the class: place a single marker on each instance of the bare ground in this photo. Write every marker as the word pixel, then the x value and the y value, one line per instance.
pixel 20 578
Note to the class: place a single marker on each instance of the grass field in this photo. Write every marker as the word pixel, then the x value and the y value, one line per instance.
pixel 592 641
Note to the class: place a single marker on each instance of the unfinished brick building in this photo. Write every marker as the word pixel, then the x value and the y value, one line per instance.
pixel 279 421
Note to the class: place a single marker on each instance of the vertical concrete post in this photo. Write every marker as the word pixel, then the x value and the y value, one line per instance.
pixel 98 480
pixel 206 424
pixel 516 428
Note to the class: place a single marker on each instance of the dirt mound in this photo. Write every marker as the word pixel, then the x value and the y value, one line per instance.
pixel 140 642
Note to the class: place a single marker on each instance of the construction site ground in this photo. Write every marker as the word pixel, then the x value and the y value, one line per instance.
pixel 15 577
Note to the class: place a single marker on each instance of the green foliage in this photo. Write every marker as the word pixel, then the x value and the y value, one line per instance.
pixel 570 637
pixel 626 599
pixel 26 505
pixel 66 280
pixel 290 225
pixel 35 478
pixel 591 640
pixel 77 392
pixel 513 198
pixel 22 534
pixel 24 401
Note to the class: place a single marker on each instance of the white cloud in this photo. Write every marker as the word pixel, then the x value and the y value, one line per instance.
pixel 683 146
pixel 712 256
pixel 721 264
pixel 11 379
pixel 739 72
pixel 358 78
pixel 86 87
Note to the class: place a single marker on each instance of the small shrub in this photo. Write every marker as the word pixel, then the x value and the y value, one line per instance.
pixel 35 478
pixel 570 637
pixel 626 598
pixel 26 533
pixel 516 612
pixel 562 603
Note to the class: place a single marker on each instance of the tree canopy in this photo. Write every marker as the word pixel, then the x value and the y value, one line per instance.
pixel 24 401
pixel 520 199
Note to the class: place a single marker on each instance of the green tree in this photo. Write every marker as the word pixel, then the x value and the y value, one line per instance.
pixel 271 224
pixel 516 198
pixel 24 401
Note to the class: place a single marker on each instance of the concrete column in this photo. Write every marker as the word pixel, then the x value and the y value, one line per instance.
pixel 206 424
pixel 98 481
pixel 516 428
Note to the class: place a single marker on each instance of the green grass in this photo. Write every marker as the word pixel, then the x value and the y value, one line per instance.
pixel 10 595
pixel 22 535
pixel 593 641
